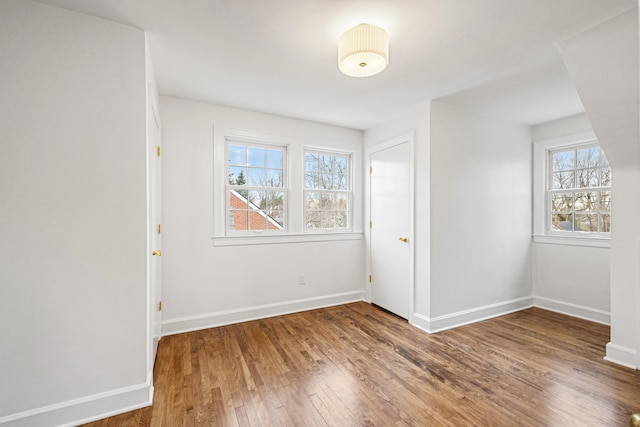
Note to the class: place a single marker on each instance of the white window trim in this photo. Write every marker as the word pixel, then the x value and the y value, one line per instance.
pixel 540 174
pixel 295 210
pixel 350 192
pixel 220 171
pixel 285 238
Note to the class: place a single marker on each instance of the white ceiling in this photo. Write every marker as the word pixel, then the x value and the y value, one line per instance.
pixel 497 57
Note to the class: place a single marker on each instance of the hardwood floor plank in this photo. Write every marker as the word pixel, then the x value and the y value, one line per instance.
pixel 357 365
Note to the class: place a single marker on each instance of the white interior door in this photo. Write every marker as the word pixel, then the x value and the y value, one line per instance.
pixel 155 233
pixel 390 243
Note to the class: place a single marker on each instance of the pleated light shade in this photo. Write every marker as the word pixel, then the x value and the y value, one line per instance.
pixel 363 51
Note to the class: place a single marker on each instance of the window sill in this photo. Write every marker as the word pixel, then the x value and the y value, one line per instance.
pixel 285 238
pixel 593 242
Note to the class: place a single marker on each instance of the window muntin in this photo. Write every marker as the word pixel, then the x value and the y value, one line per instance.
pixel 579 191
pixel 327 191
pixel 256 188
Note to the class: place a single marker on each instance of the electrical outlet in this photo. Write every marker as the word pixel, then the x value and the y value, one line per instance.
pixel 302 280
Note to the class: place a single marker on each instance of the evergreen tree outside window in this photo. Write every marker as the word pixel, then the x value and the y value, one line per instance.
pixel 256 191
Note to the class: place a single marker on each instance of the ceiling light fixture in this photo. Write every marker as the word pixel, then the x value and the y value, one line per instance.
pixel 363 51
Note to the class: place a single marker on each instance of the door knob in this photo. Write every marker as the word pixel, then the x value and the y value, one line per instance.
pixel 404 239
pixel 156 253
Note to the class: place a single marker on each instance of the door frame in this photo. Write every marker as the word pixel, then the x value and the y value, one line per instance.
pixel 154 234
pixel 637 281
pixel 407 138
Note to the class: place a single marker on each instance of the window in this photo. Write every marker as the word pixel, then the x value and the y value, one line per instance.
pixel 256 189
pixel 272 189
pixel 327 191
pixel 578 190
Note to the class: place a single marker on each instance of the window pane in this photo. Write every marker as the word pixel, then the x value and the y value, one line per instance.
pixel 605 201
pixel 588 157
pixel 274 220
pixel 605 179
pixel 313 219
pixel 239 220
pixel 342 220
pixel 325 163
pixel 562 202
pixel 586 202
pixel 587 178
pixel 237 175
pixel 256 221
pixel 327 201
pixel 582 178
pixel 256 177
pixel 340 182
pixel 311 162
pixel 274 159
pixel 562 222
pixel 275 200
pixel 586 222
pixel 342 202
pixel 562 180
pixel 237 154
pixel 313 201
pixel 256 156
pixel 341 164
pixel 274 178
pixel 563 160
pixel 257 199
pixel 326 181
pixel 605 223
pixel 264 210
pixel 328 219
pixel 238 199
pixel 594 177
pixel 311 180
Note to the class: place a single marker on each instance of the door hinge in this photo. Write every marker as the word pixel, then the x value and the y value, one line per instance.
pixel 160 306
pixel 370 278
pixel 159 228
pixel 370 169
pixel 370 224
pixel 158 150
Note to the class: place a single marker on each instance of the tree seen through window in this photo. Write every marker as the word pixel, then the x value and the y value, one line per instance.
pixel 256 192
pixel 327 191
pixel 580 190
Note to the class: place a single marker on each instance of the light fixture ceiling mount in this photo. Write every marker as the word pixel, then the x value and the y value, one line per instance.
pixel 363 51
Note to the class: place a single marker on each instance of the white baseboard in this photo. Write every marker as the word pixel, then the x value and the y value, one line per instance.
pixel 465 317
pixel 582 312
pixel 621 355
pixel 86 409
pixel 221 318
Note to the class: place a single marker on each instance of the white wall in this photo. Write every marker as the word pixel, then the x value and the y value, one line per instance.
pixel 480 215
pixel 206 285
pixel 604 64
pixel 570 277
pixel 563 127
pixel 473 213
pixel 73 293
pixel 573 279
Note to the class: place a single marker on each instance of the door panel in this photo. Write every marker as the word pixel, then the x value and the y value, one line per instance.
pixel 390 226
pixel 155 233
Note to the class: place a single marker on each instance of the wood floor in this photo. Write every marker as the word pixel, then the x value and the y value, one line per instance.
pixel 356 365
